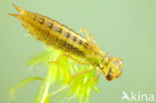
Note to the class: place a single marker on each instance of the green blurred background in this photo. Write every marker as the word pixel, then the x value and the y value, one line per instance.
pixel 124 28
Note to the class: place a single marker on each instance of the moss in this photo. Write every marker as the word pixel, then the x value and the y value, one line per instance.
pixel 60 74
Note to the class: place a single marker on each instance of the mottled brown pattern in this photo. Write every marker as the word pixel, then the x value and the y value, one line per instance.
pixel 74 38
pixel 50 25
pixel 85 45
pixel 41 20
pixel 59 29
pixel 57 35
pixel 68 35
pixel 80 42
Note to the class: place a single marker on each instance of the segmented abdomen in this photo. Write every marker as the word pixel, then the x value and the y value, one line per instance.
pixel 53 33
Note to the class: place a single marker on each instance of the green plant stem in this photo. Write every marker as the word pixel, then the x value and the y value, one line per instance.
pixel 43 93
pixel 59 90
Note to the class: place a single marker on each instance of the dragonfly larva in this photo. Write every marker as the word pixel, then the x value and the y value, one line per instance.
pixel 71 43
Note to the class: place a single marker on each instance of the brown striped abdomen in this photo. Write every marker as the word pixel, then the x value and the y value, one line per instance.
pixel 59 36
pixel 53 33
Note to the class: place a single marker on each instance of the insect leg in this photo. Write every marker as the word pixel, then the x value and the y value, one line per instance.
pixel 77 61
pixel 97 76
pixel 70 57
pixel 88 36
pixel 83 72
pixel 91 37
pixel 58 59
pixel 85 32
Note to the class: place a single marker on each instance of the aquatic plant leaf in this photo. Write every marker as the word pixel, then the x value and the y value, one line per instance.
pixel 21 84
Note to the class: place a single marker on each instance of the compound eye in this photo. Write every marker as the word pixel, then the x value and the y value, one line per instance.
pixel 110 76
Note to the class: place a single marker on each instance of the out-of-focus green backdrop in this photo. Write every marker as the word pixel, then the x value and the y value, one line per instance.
pixel 124 28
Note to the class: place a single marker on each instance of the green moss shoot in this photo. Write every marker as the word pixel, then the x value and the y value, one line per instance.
pixel 58 79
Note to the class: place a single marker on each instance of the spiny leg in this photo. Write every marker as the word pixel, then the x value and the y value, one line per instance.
pixel 83 72
pixel 88 36
pixel 97 76
pixel 70 57
pixel 80 73
pixel 85 32
pixel 77 61
pixel 91 37
pixel 57 60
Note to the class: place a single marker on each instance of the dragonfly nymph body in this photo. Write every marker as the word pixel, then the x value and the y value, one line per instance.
pixel 71 43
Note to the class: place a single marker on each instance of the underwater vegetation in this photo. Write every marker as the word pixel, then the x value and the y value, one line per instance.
pixel 73 67
pixel 59 74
